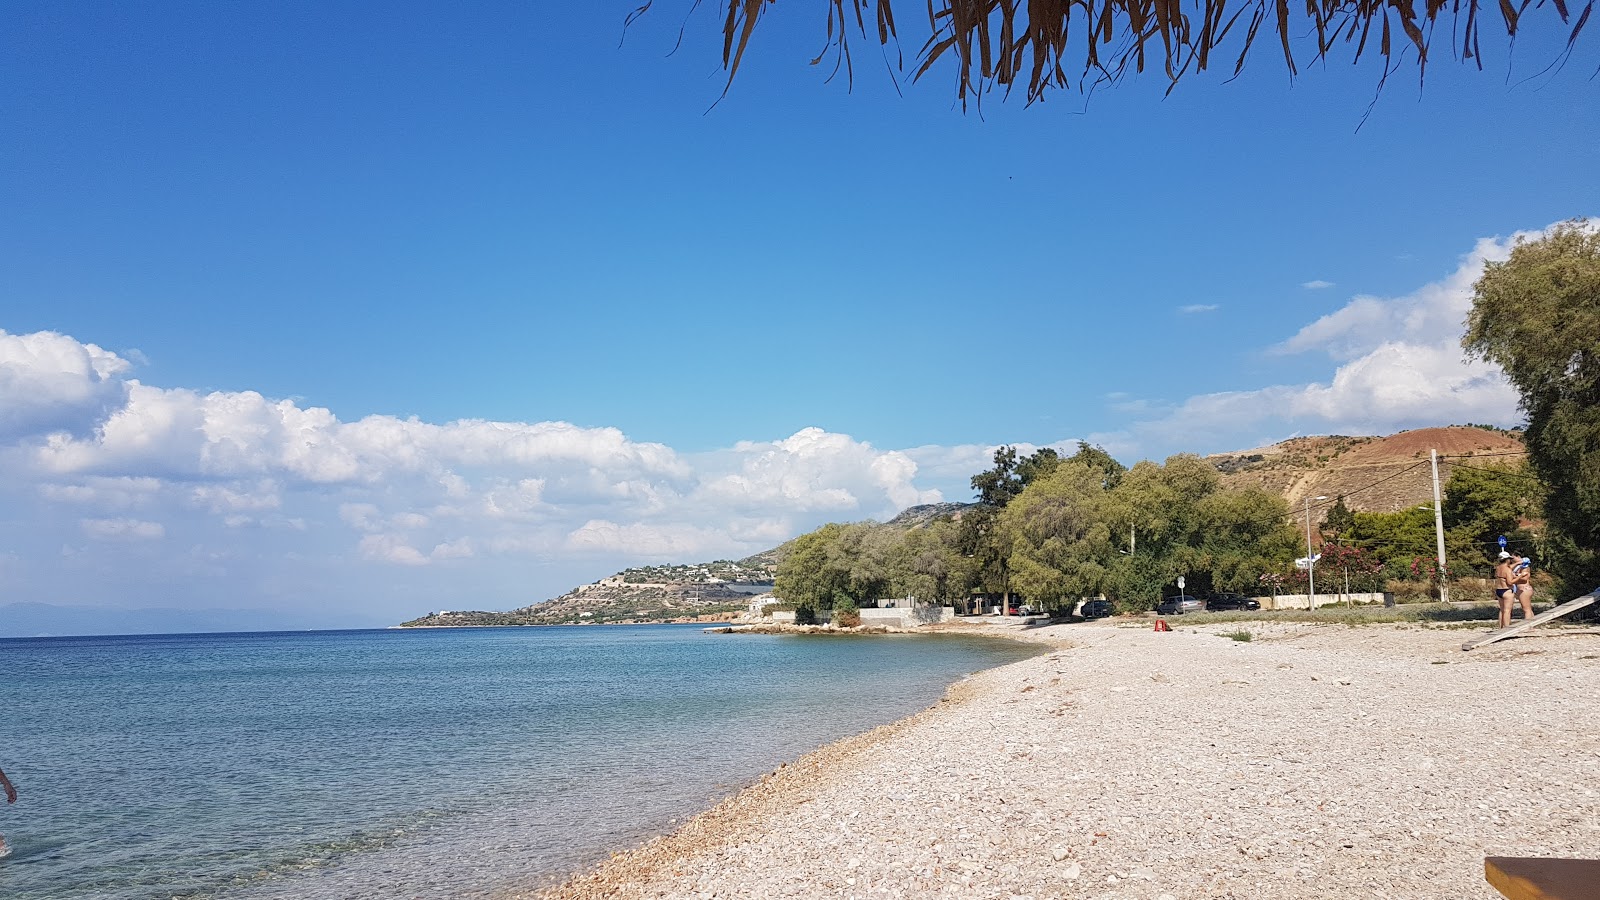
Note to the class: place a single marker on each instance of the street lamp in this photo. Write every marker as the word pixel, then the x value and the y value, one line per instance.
pixel 1311 558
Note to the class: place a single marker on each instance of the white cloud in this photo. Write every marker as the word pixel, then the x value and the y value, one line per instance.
pixel 1316 285
pixel 1193 308
pixel 811 471
pixel 663 542
pixel 461 549
pixel 122 529
pixel 50 381
pixel 289 488
pixel 105 493
pixel 391 549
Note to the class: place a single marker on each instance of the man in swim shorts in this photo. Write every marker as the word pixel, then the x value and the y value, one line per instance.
pixel 1505 589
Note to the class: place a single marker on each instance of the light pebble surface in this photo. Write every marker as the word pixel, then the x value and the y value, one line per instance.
pixel 1313 761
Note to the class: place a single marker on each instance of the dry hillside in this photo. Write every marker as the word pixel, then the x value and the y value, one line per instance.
pixel 1375 474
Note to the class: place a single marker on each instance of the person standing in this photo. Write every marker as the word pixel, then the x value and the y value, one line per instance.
pixel 11 797
pixel 1505 589
pixel 1521 573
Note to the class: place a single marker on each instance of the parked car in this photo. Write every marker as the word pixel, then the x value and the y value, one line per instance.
pixel 1095 609
pixel 1176 606
pixel 1220 602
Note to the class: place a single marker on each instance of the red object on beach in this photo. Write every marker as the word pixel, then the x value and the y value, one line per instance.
pixel 1161 625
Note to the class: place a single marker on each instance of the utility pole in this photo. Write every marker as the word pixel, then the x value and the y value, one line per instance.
pixel 1311 558
pixel 1438 528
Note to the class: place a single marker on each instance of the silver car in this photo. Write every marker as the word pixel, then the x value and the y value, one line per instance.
pixel 1176 606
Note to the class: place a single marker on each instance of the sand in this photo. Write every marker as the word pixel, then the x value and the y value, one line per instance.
pixel 1312 761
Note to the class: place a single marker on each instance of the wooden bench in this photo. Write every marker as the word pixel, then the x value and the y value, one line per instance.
pixel 1542 878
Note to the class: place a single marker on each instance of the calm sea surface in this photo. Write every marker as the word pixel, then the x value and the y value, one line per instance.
pixel 431 763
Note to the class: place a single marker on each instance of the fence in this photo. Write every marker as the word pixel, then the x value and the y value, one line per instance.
pixel 1303 601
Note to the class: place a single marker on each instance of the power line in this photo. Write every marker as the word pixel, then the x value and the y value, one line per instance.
pixel 1374 484
pixel 1482 455
pixel 1502 472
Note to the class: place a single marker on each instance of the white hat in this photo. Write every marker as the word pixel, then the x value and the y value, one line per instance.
pixel 1504 555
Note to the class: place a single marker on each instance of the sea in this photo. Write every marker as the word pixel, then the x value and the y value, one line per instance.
pixel 410 762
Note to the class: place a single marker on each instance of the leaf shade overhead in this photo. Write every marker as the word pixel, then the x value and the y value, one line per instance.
pixel 1044 44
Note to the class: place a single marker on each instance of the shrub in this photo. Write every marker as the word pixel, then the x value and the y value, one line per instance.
pixel 805 614
pixel 1240 635
pixel 846 615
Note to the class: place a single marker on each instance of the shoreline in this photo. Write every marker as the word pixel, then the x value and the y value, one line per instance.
pixel 1121 763
pixel 773 793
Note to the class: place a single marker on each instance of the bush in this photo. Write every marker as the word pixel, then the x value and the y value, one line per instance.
pixel 805 614
pixel 847 616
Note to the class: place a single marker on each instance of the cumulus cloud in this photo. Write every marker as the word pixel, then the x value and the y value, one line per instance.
pixel 49 381
pixel 811 471
pixel 273 473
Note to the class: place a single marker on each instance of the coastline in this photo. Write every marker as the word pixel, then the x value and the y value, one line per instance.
pixel 1310 761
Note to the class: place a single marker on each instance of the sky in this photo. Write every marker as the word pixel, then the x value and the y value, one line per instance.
pixel 341 315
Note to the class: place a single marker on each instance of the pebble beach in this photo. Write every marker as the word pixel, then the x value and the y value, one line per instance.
pixel 1309 761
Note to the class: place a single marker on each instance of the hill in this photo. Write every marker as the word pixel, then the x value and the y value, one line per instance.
pixel 1373 474
pixel 697 592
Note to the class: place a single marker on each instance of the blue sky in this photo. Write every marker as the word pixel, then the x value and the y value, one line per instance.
pixel 396 308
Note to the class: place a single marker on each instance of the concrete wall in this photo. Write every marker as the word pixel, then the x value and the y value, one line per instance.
pixel 902 617
pixel 921 614
pixel 1303 601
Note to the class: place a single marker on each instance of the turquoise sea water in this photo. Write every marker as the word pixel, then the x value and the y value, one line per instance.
pixel 426 763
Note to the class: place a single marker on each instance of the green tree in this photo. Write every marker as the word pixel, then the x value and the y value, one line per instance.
pixel 926 563
pixel 1097 458
pixel 1242 533
pixel 1011 473
pixel 809 576
pixel 1339 518
pixel 1537 316
pixel 1480 506
pixel 982 539
pixel 1058 537
pixel 1394 538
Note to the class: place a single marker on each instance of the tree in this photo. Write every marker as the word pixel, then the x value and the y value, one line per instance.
pixel 981 538
pixel 1058 44
pixel 1395 538
pixel 809 576
pixel 1483 504
pixel 1339 518
pixel 1240 534
pixel 1058 537
pixel 1011 473
pixel 1537 316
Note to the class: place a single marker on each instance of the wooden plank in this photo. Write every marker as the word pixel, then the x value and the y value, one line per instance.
pixel 1546 616
pixel 1535 878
